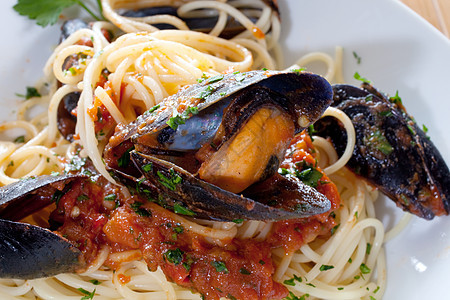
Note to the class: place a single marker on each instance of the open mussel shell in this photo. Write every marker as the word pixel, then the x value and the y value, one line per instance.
pixel 180 191
pixel 24 197
pixel 29 252
pixel 391 151
pixel 304 96
pixel 202 24
pixel 226 124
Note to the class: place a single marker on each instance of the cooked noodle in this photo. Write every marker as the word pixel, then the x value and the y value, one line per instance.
pixel 154 65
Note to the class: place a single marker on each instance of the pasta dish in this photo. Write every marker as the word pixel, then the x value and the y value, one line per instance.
pixel 179 162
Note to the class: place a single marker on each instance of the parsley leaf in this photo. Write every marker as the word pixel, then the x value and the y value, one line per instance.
pixel 326 267
pixel 364 269
pixel 20 139
pixel 181 210
pixel 220 266
pixel 88 294
pixel 360 78
pixel 179 119
pixel 47 12
pixel 174 256
pixel 31 93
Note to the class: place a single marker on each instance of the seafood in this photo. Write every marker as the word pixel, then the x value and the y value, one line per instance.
pixel 232 132
pixel 28 251
pixel 391 151
pixel 200 23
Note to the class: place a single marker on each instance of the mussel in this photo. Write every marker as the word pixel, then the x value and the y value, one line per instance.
pixel 206 146
pixel 203 24
pixel 28 251
pixel 391 151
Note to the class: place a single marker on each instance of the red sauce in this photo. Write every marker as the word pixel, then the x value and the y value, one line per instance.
pixel 241 268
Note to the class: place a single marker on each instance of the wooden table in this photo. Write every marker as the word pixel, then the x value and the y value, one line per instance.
pixel 437 12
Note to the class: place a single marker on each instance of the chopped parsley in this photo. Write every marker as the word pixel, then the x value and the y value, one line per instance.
pixel 308 174
pixel 364 269
pixel 360 78
pixel 99 115
pixel 178 229
pixel 283 171
pixel 148 167
pixel 262 262
pixel 340 288
pixel 396 99
pixel 87 294
pixel 205 92
pixel 82 197
pixel 57 196
pixel 326 267
pixel 244 271
pixel 30 93
pixel 386 113
pixel 169 181
pixel 299 70
pixel 180 209
pixel 291 281
pixel 179 119
pixel 215 78
pixel 357 57
pixel 311 131
pixel 174 256
pixel 143 212
pixel 238 221
pixel 333 230
pixel 20 139
pixel 110 197
pixel 124 160
pixel 424 128
pixel 153 108
pixel 378 141
pixel 220 266
pixel 292 296
pixel 94 281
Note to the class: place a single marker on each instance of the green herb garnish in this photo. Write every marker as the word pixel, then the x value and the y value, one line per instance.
pixel 148 167
pixel 179 119
pixel 357 57
pixel 136 206
pixel 31 93
pixel 110 197
pixel 326 267
pixel 180 209
pixel 124 160
pixel 174 256
pixel 360 78
pixel 364 269
pixel 169 181
pixel 220 266
pixel 20 139
pixel 47 12
pixel 244 271
pixel 82 197
pixel 88 294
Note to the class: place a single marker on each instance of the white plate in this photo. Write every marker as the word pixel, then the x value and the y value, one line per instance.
pixel 399 51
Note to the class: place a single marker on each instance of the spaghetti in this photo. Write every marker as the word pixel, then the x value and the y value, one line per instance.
pixel 142 70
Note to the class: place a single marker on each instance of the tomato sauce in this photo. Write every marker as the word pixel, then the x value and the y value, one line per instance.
pixel 94 213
